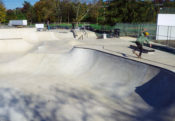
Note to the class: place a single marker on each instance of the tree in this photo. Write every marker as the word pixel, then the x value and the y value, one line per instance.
pixel 63 10
pixel 95 14
pixel 10 15
pixel 2 12
pixel 67 9
pixel 82 8
pixel 116 11
pixel 28 11
pixel 131 11
pixel 19 14
pixel 26 7
pixel 57 9
pixel 45 10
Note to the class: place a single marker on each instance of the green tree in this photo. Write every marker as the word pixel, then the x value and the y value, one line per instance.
pixel 147 12
pixel 64 10
pixel 2 12
pixel 101 12
pixel 45 10
pixel 131 11
pixel 15 14
pixel 57 8
pixel 19 14
pixel 95 13
pixel 28 11
pixel 116 11
pixel 68 12
pixel 10 15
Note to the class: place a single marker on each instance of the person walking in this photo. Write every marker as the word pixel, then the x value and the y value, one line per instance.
pixel 140 41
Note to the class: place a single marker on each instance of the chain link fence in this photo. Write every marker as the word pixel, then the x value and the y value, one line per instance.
pixel 166 35
pixel 134 30
pixel 160 34
pixel 168 10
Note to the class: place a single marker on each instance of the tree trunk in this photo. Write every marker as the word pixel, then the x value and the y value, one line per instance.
pixel 68 17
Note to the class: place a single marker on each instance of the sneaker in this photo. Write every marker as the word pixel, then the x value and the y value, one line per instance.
pixel 139 57
pixel 133 51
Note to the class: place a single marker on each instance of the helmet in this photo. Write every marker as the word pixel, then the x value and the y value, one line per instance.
pixel 146 33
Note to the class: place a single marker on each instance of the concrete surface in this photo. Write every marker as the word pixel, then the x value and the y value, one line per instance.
pixel 121 47
pixel 50 76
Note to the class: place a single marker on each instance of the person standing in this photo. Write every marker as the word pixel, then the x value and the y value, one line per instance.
pixel 140 41
pixel 48 26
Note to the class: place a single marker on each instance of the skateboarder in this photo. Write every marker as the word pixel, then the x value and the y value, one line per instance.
pixel 140 41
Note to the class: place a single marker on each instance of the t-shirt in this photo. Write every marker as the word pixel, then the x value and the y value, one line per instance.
pixel 142 39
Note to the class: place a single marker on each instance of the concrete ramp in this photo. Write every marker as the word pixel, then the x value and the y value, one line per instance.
pixel 24 39
pixel 84 85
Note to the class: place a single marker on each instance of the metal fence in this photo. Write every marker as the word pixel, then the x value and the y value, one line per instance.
pixel 135 29
pixel 168 10
pixel 159 34
pixel 165 35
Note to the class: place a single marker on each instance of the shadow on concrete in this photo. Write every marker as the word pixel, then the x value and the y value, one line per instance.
pixel 161 48
pixel 151 101
pixel 142 115
pixel 127 55
pixel 144 50
pixel 159 92
pixel 159 95
pixel 70 105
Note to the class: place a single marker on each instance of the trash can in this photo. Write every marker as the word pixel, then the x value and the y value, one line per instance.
pixel 104 36
pixel 73 25
pixel 116 32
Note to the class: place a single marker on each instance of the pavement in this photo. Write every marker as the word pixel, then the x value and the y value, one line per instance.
pixel 50 76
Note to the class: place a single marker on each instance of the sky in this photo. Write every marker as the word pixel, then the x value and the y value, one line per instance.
pixel 12 4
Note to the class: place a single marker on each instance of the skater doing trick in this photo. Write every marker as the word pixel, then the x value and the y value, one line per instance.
pixel 139 42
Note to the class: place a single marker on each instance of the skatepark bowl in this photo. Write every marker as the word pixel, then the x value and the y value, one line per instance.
pixel 80 84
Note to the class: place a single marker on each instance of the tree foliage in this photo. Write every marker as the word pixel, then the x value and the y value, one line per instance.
pixel 10 15
pixel 93 11
pixel 44 10
pixel 131 11
pixel 2 12
pixel 28 11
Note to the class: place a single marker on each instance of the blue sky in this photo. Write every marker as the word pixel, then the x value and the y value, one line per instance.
pixel 11 4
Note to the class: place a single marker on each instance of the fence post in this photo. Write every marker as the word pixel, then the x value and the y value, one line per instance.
pixel 170 36
pixel 167 36
pixel 157 33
